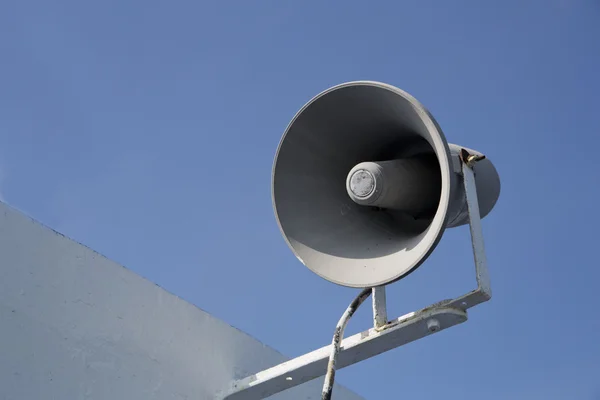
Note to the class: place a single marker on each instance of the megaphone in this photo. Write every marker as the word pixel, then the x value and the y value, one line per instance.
pixel 364 184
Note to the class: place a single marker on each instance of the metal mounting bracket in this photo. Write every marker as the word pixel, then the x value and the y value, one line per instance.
pixel 385 335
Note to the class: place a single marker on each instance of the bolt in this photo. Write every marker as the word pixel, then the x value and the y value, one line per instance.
pixel 433 325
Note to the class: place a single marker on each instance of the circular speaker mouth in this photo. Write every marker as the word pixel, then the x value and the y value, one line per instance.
pixel 340 240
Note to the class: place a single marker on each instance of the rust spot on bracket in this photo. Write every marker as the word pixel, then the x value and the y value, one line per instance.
pixel 470 159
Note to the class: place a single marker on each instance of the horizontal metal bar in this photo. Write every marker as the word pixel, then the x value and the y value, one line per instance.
pixel 356 348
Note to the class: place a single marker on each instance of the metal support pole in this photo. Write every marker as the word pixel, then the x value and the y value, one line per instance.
pixel 379 307
pixel 484 288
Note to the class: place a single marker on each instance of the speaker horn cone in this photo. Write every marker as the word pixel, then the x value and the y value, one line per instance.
pixel 364 184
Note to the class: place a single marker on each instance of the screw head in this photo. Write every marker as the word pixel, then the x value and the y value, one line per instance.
pixel 433 325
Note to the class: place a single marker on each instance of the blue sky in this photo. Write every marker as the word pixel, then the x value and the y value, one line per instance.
pixel 146 130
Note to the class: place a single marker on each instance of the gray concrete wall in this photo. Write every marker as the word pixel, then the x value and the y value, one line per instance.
pixel 75 325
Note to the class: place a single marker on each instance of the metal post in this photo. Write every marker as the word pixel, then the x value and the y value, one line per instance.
pixel 379 307
pixel 484 289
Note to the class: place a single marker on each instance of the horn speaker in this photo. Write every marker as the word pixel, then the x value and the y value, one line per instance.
pixel 364 184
